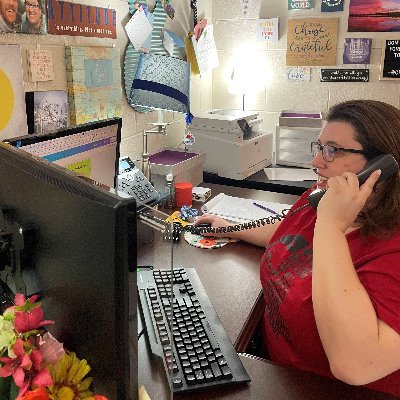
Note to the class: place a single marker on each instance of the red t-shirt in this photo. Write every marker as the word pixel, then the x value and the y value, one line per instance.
pixel 289 327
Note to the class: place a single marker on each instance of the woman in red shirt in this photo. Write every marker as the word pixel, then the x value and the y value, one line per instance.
pixel 331 276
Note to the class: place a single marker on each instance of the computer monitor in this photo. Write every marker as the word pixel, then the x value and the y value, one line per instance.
pixel 82 246
pixel 90 150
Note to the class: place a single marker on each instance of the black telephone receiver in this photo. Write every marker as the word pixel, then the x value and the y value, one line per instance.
pixel 385 162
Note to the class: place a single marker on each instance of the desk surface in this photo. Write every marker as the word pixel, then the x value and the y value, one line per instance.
pixel 230 276
pixel 260 181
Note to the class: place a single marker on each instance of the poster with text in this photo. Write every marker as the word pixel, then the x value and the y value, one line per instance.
pixel 12 95
pixel 73 19
pixel 357 51
pixel 374 16
pixel 331 5
pixel 390 65
pixel 311 41
pixel 300 4
pixel 267 29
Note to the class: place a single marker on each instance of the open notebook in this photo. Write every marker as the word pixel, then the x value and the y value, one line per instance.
pixel 237 209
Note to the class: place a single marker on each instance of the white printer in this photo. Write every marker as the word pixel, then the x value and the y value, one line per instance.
pixel 233 142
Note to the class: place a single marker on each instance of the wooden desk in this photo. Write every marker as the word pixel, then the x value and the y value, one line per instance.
pixel 230 276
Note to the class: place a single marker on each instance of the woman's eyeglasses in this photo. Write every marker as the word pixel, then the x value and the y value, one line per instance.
pixel 329 151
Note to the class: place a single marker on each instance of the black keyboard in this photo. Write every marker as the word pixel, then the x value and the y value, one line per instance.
pixel 201 354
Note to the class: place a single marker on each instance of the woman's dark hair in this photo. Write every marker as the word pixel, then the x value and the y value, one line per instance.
pixel 377 127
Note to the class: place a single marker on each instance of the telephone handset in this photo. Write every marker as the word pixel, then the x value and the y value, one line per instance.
pixel 385 162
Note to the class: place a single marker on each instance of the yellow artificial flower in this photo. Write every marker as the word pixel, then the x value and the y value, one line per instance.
pixel 68 379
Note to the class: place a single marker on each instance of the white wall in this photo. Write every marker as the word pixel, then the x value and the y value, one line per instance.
pixel 133 122
pixel 279 94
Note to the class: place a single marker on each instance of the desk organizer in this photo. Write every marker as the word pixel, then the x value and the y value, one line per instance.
pixel 185 166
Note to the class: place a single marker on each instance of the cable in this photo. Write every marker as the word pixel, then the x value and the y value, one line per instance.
pixel 238 227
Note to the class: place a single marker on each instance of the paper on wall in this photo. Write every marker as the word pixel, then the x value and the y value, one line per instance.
pixel 138 29
pixel 206 50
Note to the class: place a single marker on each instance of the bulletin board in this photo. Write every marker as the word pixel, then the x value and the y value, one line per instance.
pixel 311 41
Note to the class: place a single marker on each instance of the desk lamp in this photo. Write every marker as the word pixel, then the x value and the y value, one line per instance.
pixel 160 129
pixel 248 72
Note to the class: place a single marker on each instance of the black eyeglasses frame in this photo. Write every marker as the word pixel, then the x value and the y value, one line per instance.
pixel 335 149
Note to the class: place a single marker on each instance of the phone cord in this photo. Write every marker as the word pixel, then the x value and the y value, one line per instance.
pixel 238 227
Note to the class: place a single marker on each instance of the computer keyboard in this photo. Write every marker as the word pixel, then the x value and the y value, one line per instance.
pixel 201 354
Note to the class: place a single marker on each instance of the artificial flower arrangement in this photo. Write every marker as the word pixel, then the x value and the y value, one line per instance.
pixel 35 366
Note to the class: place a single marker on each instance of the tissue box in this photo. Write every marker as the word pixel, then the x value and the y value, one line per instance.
pixel 185 166
pixel 201 194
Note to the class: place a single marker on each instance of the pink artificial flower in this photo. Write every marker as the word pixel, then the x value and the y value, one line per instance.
pixel 99 397
pixel 51 348
pixel 25 369
pixel 29 319
pixel 16 366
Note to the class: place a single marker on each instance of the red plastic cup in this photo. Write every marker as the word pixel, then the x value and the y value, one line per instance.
pixel 183 194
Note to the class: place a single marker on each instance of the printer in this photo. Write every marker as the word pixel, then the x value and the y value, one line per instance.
pixel 233 142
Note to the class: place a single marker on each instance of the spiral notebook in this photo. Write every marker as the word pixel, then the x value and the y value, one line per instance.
pixel 237 209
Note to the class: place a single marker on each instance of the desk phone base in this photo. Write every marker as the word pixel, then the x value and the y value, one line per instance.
pixel 201 354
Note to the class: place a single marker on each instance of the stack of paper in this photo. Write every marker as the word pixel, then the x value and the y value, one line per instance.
pixel 242 210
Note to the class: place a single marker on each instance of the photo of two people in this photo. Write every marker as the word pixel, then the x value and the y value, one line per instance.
pixel 23 16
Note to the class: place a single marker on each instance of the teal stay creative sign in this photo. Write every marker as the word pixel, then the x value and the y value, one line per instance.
pixel 300 4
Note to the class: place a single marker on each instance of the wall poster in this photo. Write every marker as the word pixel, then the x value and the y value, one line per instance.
pixel 374 16
pixel 94 83
pixel 331 5
pixel 357 51
pixel 73 19
pixel 12 95
pixel 390 65
pixel 300 4
pixel 311 41
pixel 268 29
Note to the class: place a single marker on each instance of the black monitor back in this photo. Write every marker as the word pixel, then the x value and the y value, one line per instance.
pixel 84 245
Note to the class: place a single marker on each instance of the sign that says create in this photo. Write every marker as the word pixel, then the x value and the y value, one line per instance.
pixel 300 4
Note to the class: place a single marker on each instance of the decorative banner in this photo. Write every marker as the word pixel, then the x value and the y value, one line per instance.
pixel 374 16
pixel 75 19
pixel 357 51
pixel 300 4
pixel 331 5
pixel 344 75
pixel 390 64
pixel 40 65
pixel 12 95
pixel 311 41
pixel 297 74
pixel 267 29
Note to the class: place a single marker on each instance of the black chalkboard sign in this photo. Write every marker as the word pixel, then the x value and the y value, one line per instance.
pixel 344 75
pixel 390 66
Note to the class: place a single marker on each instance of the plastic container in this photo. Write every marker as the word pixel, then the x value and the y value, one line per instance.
pixel 183 194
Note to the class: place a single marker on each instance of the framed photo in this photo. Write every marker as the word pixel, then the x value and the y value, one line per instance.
pixel 390 62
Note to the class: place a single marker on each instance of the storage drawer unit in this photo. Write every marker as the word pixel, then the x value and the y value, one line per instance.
pixel 293 145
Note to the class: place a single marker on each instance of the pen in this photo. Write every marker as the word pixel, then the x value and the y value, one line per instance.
pixel 265 208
